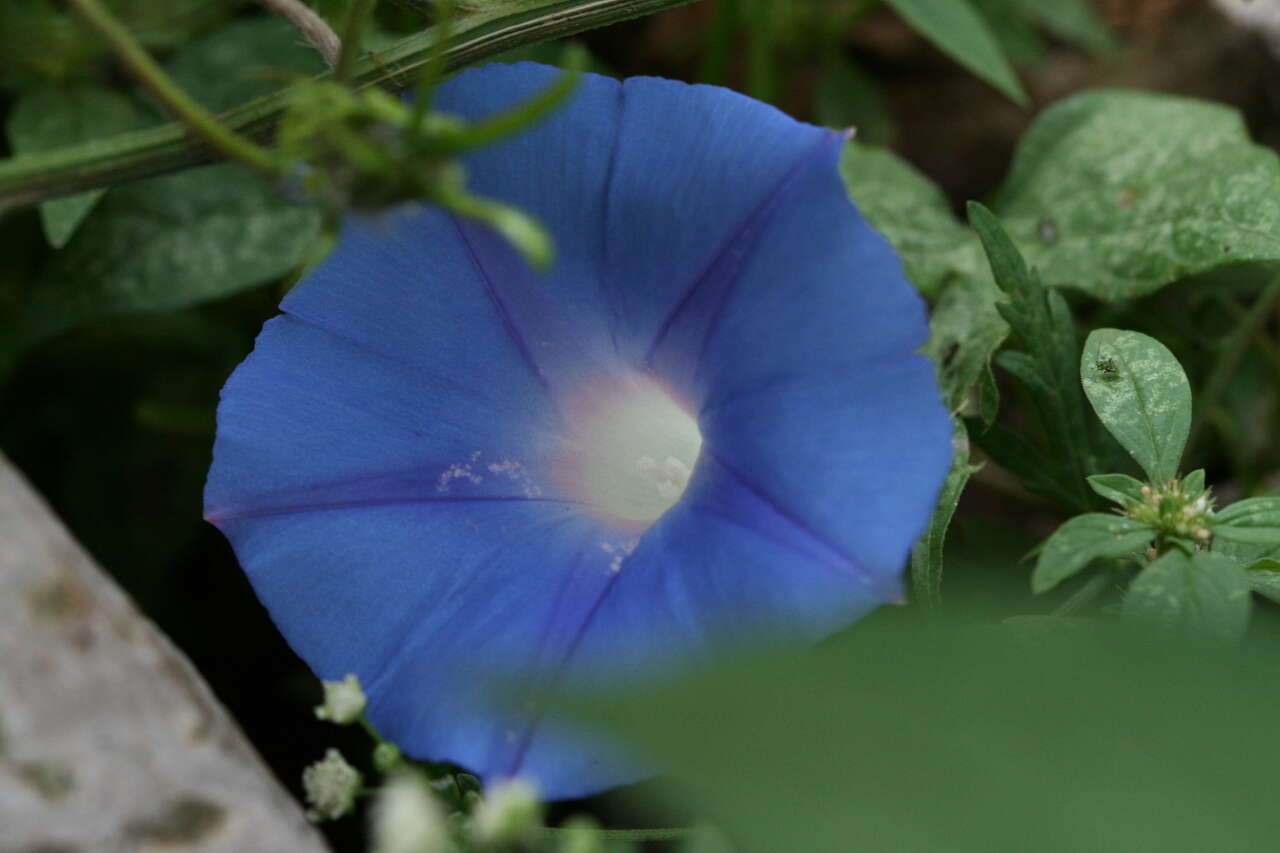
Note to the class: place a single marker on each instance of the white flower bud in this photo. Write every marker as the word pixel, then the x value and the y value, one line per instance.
pixel 407 818
pixel 344 701
pixel 330 786
pixel 508 814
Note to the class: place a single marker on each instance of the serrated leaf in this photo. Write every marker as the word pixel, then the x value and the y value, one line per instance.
pixel 1082 540
pixel 1204 594
pixel 1254 521
pixel 1141 395
pixel 167 243
pixel 1119 193
pixel 926 556
pixel 1120 488
pixel 958 31
pixel 46 118
pixel 1016 455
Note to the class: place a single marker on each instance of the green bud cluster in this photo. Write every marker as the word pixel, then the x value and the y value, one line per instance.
pixel 1174 509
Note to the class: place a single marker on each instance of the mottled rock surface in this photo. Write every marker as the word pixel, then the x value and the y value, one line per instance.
pixel 110 742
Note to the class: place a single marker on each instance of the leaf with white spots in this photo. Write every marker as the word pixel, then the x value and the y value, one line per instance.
pixel 1141 395
pixel 1084 539
pixel 1120 193
pixel 1204 594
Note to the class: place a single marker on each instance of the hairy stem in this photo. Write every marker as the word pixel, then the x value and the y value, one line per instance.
pixel 202 123
pixel 154 151
pixel 314 28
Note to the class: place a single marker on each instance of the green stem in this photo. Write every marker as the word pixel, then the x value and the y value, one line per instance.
pixel 352 37
pixel 154 151
pixel 200 121
pixel 1229 360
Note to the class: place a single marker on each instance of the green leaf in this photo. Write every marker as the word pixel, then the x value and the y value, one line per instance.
pixel 1193 483
pixel 1141 395
pixel 1074 22
pixel 1082 540
pixel 167 243
pixel 958 31
pixel 1119 193
pixel 249 58
pixel 846 96
pixel 926 556
pixel 1204 594
pixel 1016 455
pixel 912 214
pixel 1264 579
pixel 914 737
pixel 1254 521
pixel 42 119
pixel 1042 322
pixel 1120 488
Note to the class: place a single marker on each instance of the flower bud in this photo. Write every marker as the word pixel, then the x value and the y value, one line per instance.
pixel 408 819
pixel 508 814
pixel 386 757
pixel 344 701
pixel 330 786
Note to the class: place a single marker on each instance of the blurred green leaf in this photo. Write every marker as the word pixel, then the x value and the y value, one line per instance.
pixel 1264 579
pixel 1141 395
pixel 248 58
pixel 958 31
pixel 926 556
pixel 1193 483
pixel 46 118
pixel 1119 193
pixel 1084 539
pixel 918 738
pixel 167 243
pixel 1120 488
pixel 1254 521
pixel 1074 22
pixel 846 96
pixel 1204 594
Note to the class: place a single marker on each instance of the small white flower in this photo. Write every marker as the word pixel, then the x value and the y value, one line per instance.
pixel 407 818
pixel 344 701
pixel 508 814
pixel 330 785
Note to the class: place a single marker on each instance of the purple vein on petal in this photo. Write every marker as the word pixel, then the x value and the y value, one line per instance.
pixel 788 530
pixel 704 299
pixel 504 313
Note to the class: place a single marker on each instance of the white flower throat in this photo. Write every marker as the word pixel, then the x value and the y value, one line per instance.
pixel 633 450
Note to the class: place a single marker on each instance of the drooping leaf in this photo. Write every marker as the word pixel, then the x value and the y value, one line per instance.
pixel 46 118
pixel 167 243
pixel 926 556
pixel 1204 594
pixel 1119 193
pixel 1141 395
pixel 1082 540
pixel 1254 521
pixel 958 30
pixel 1120 488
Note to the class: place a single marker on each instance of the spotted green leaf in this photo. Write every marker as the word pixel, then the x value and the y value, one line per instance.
pixel 1141 395
pixel 1082 540
pixel 1119 193
pixel 1254 521
pixel 1204 594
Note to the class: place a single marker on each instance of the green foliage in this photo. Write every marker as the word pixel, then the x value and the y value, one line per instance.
pixel 1202 594
pixel 46 118
pixel 1084 539
pixel 916 738
pixel 1120 488
pixel 960 32
pixel 1141 395
pixel 1255 521
pixel 1119 193
pixel 926 556
pixel 167 243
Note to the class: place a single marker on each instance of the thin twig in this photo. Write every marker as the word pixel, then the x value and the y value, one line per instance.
pixel 314 29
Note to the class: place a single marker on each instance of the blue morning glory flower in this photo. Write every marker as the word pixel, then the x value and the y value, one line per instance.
pixel 706 425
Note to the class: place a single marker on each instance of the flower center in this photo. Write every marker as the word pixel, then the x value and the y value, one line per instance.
pixel 633 450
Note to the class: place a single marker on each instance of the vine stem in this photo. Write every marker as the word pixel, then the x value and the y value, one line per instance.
pixel 173 97
pixel 314 29
pixel 154 151
pixel 352 37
